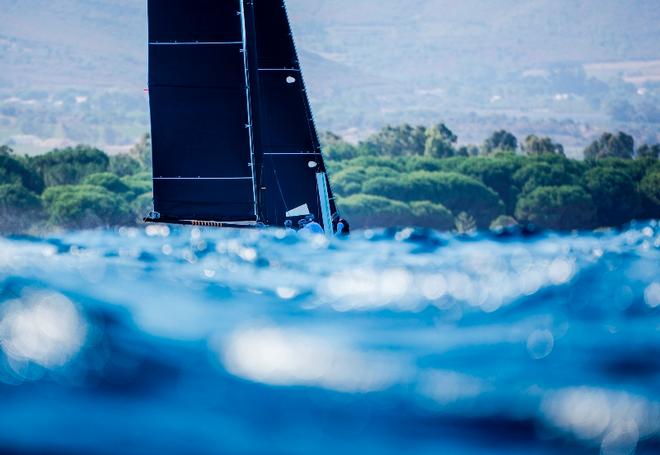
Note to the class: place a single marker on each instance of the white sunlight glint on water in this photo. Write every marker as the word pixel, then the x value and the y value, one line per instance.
pixel 44 328
pixel 446 387
pixel 614 420
pixel 275 356
pixel 652 295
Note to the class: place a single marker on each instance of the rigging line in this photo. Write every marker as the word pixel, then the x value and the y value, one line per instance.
pixel 277 179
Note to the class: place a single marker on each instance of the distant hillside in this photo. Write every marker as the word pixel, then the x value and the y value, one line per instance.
pixel 73 43
pixel 487 34
pixel 367 62
pixel 55 43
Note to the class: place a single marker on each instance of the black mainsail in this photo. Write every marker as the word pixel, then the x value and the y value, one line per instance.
pixel 233 137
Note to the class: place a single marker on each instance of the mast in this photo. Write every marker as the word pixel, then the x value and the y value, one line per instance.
pixel 324 201
pixel 246 62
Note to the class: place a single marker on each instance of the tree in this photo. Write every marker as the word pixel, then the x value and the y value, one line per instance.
pixel 649 151
pixel 366 161
pixel 536 174
pixel 426 163
pixel 368 211
pixel 501 140
pixel 535 145
pixel 138 184
pixel 70 165
pixel 124 164
pixel 574 167
pixel 392 141
pixel 503 223
pixel 85 207
pixel 497 173
pixel 618 145
pixel 20 208
pixel 440 142
pixel 650 189
pixel 142 205
pixel 558 207
pixel 6 150
pixel 336 148
pixel 636 169
pixel 348 181
pixel 429 215
pixel 464 223
pixel 468 150
pixel 108 181
pixel 614 194
pixel 142 152
pixel 13 171
pixel 454 191
pixel 351 174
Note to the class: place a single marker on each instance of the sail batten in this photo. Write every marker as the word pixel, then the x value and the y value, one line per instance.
pixel 203 178
pixel 293 153
pixel 197 43
pixel 279 69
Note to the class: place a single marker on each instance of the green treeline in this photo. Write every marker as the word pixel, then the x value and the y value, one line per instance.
pixel 400 176
pixel 74 188
pixel 408 175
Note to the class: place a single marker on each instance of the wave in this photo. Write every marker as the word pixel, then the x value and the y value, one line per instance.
pixel 175 340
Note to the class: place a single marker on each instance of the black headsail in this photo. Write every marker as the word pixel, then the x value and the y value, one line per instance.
pixel 232 131
pixel 289 150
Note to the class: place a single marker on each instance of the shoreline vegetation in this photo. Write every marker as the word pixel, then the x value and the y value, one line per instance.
pixel 401 176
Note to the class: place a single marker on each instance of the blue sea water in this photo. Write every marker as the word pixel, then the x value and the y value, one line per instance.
pixel 171 340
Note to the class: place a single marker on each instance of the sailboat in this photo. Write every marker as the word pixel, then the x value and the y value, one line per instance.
pixel 233 137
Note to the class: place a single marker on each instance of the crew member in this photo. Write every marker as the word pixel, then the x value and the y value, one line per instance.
pixel 343 228
pixel 312 226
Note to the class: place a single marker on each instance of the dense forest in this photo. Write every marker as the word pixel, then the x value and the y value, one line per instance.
pixel 401 176
pixel 418 176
